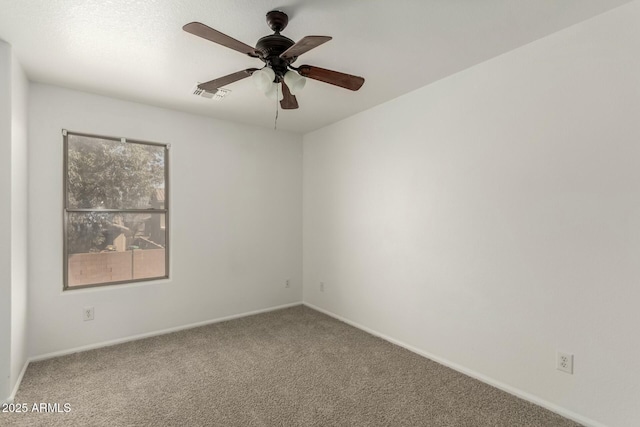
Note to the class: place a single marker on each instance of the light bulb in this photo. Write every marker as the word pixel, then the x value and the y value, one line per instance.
pixel 294 81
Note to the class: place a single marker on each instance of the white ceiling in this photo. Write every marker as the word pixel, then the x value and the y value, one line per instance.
pixel 136 49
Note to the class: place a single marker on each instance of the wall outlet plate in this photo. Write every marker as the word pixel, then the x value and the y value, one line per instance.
pixel 564 362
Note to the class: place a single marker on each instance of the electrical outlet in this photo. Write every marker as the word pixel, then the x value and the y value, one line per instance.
pixel 564 362
pixel 287 284
pixel 87 313
pixel 321 286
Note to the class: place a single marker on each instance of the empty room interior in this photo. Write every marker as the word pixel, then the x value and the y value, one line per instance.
pixel 333 212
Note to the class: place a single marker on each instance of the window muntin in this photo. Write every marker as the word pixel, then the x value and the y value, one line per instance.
pixel 116 211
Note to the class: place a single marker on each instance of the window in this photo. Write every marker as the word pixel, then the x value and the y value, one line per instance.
pixel 115 211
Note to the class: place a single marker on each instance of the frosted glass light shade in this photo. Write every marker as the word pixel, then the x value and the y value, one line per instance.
pixel 275 91
pixel 263 79
pixel 294 81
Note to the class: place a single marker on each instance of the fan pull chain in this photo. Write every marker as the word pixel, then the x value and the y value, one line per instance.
pixel 275 122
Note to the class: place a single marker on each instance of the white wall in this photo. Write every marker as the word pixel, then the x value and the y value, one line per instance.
pixel 13 216
pixel 236 223
pixel 5 218
pixel 19 254
pixel 493 218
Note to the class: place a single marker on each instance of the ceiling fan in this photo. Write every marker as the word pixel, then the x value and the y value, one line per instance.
pixel 278 53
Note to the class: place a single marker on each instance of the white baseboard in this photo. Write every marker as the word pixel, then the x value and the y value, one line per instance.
pixel 492 382
pixel 12 396
pixel 156 333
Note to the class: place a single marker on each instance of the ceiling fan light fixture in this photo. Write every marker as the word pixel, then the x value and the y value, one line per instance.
pixel 263 79
pixel 294 81
pixel 277 52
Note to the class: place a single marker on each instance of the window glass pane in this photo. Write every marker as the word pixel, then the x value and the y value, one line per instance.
pixel 113 247
pixel 107 174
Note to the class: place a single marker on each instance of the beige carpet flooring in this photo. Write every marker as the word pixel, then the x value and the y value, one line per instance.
pixel 292 367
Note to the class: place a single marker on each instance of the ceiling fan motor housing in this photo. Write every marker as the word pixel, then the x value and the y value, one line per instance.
pixel 270 47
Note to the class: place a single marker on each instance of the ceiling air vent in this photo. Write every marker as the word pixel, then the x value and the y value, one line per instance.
pixel 216 96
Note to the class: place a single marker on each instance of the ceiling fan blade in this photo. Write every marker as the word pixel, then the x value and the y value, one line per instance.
pixel 212 85
pixel 336 78
pixel 201 30
pixel 304 45
pixel 289 102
